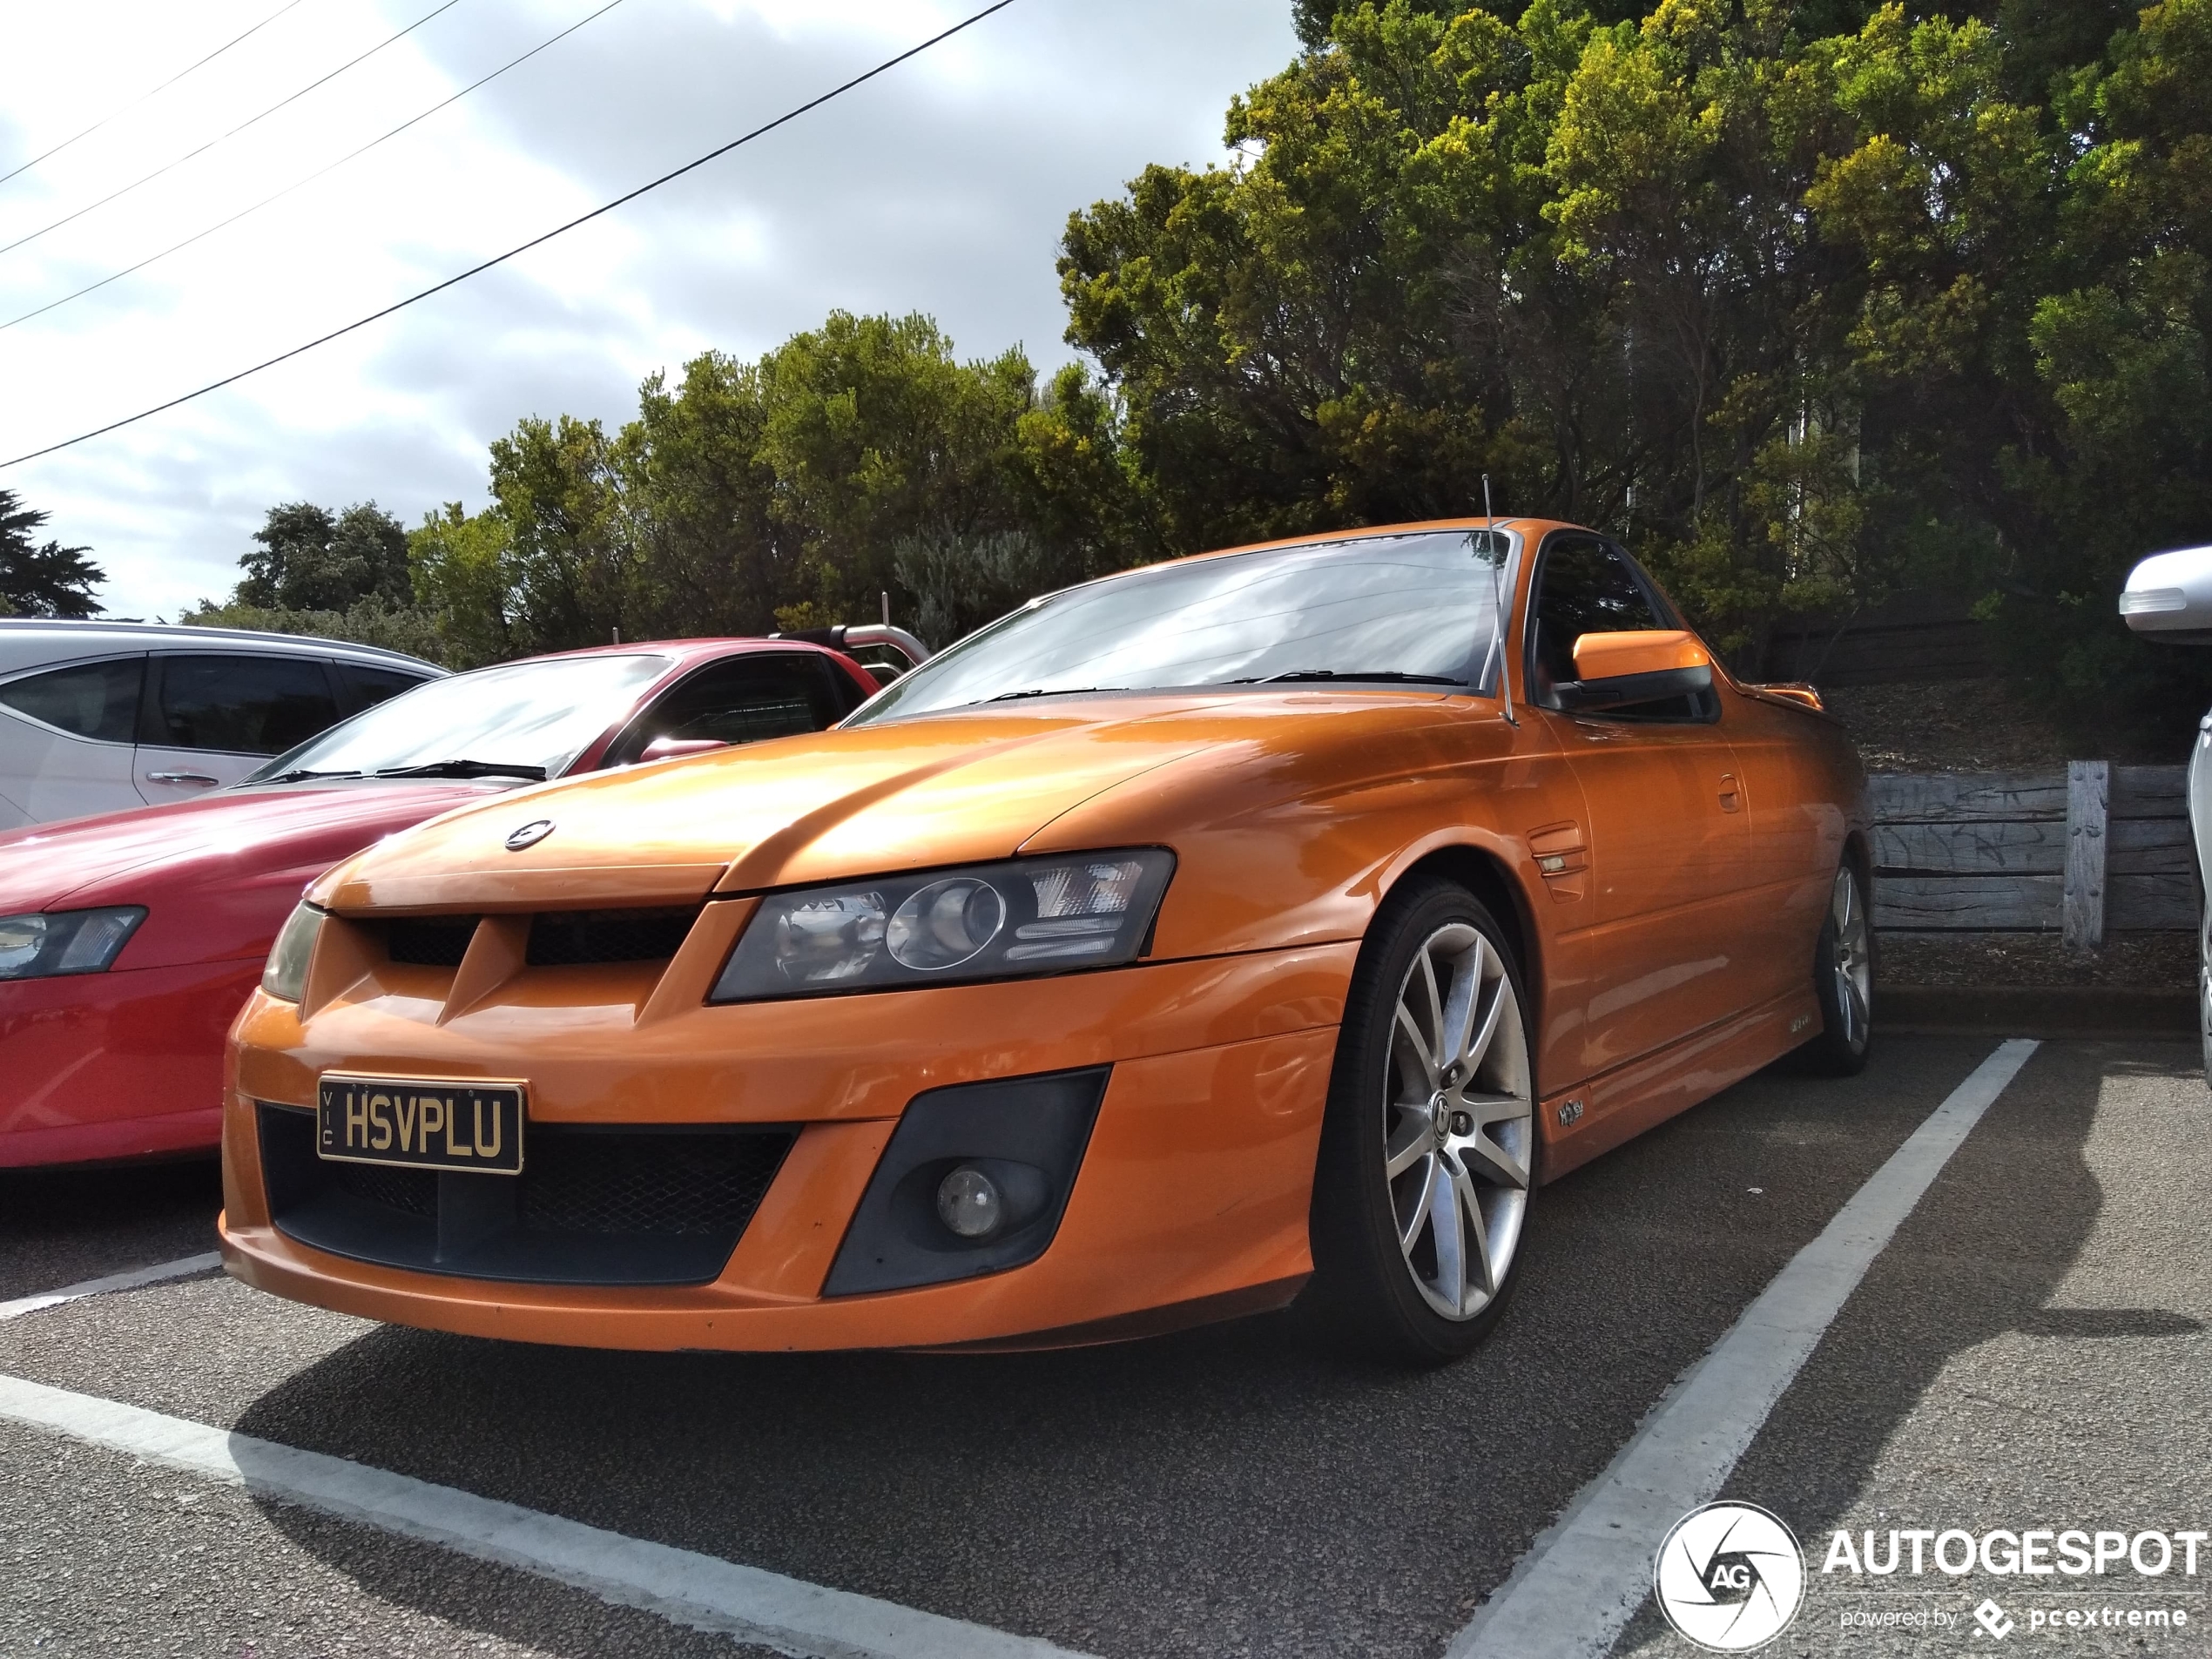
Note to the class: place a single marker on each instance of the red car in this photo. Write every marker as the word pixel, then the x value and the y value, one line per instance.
pixel 129 941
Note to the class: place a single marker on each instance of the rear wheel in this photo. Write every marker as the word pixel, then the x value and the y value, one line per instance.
pixel 1428 1149
pixel 1842 979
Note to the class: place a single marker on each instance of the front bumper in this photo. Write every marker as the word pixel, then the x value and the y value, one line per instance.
pixel 1193 1190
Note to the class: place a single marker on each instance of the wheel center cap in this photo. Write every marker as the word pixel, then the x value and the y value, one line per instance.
pixel 1439 1119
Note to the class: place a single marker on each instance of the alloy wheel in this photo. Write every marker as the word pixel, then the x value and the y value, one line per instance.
pixel 1459 1133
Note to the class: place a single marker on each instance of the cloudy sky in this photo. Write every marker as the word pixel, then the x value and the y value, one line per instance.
pixel 940 187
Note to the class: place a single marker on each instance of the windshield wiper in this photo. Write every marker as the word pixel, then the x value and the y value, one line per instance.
pixel 300 775
pixel 1048 690
pixel 467 769
pixel 1389 674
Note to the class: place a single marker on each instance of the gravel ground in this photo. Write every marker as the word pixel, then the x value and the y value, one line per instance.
pixel 2150 961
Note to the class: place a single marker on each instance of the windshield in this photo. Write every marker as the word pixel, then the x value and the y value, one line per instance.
pixel 520 719
pixel 1411 609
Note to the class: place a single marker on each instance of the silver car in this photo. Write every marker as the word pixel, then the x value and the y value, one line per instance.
pixel 2169 598
pixel 96 717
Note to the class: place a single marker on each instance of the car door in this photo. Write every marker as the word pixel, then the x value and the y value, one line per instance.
pixel 740 699
pixel 209 717
pixel 65 740
pixel 1667 835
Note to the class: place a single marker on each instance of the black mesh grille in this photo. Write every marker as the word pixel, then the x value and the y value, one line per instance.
pixel 430 941
pixel 592 1206
pixel 662 1182
pixel 412 1192
pixel 562 938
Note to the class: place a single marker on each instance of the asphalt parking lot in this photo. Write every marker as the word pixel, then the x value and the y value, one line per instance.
pixel 2027 1351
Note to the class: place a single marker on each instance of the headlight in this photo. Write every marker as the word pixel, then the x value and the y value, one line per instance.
pixel 286 973
pixel 48 944
pixel 1043 916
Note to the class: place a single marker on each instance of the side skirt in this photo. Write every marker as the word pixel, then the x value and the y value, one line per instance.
pixel 1579 1123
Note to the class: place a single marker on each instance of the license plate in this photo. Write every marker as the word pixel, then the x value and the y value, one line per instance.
pixel 420 1123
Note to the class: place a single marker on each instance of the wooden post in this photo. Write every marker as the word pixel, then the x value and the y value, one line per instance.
pixel 2088 787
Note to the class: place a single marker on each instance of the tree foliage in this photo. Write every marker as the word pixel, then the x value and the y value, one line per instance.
pixel 311 559
pixel 1803 300
pixel 42 580
pixel 750 495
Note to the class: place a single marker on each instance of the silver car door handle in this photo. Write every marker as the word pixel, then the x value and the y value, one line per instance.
pixel 182 778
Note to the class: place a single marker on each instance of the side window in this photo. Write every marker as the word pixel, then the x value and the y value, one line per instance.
pixel 255 706
pixel 1585 587
pixel 744 699
pixel 96 700
pixel 366 687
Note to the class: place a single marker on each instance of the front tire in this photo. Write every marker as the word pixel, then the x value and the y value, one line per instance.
pixel 1842 979
pixel 1428 1148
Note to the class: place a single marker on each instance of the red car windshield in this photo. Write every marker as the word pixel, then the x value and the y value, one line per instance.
pixel 520 720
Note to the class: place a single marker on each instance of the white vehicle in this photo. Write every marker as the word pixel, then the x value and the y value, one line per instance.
pixel 96 717
pixel 2168 597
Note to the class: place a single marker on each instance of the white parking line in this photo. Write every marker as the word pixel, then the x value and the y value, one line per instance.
pixel 701 1591
pixel 1583 1579
pixel 129 1281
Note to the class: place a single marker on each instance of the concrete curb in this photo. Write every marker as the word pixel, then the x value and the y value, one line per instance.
pixel 2036 1010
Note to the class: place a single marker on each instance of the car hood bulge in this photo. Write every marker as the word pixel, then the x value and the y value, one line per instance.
pixel 919 794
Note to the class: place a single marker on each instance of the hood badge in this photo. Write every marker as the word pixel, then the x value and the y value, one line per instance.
pixel 530 835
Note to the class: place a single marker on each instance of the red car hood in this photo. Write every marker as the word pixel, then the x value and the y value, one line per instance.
pixel 218 875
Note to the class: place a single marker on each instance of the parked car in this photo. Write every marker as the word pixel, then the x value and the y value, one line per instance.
pixel 2169 598
pixel 97 716
pixel 1179 939
pixel 129 941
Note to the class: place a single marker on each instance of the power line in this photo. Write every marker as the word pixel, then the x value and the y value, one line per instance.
pixel 171 166
pixel 301 183
pixel 762 130
pixel 126 109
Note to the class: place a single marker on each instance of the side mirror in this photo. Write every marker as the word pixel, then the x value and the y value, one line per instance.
pixel 2168 597
pixel 672 748
pixel 1618 670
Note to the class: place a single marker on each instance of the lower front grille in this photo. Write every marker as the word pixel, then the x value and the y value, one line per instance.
pixel 592 1205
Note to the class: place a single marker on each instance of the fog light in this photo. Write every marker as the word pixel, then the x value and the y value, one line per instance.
pixel 968 1202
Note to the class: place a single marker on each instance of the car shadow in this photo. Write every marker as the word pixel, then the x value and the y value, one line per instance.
pixel 1233 1489
pixel 63 1226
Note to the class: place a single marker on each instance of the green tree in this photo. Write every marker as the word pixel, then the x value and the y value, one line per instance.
pixel 48 580
pixel 310 559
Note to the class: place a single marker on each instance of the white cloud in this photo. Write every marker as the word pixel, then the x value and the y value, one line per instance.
pixel 943 186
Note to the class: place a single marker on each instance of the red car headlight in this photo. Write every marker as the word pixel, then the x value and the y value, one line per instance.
pixel 48 944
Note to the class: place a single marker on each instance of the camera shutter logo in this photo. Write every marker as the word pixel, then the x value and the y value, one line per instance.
pixel 1729 1577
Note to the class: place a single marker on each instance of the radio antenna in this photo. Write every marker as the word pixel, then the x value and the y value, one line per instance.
pixel 1497 601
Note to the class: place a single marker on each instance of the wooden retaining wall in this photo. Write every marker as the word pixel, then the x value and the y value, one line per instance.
pixel 2085 850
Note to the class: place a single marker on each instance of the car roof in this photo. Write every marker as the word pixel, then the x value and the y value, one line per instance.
pixel 715 646
pixel 31 642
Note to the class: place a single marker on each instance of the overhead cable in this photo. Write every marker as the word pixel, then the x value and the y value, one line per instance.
pixel 126 109
pixel 762 130
pixel 220 138
pixel 301 183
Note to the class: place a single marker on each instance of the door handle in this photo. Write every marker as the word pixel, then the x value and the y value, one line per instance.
pixel 1731 796
pixel 182 778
